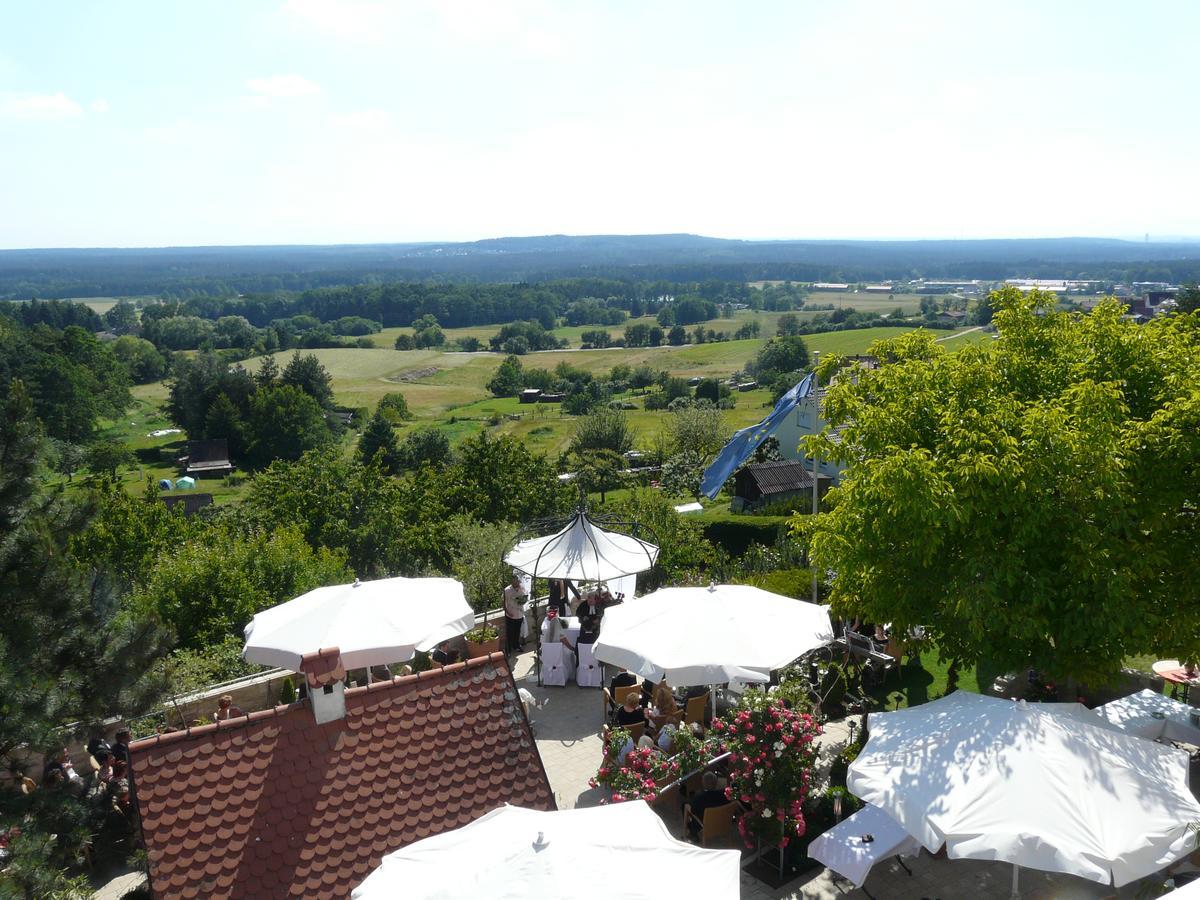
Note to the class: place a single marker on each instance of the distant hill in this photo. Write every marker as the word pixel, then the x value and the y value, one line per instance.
pixel 673 257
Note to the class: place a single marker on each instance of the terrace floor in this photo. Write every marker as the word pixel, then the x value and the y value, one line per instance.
pixel 566 723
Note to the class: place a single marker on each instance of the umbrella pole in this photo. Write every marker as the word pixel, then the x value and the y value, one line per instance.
pixel 1016 875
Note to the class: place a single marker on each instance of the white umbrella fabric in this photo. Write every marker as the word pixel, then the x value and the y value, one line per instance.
pixel 712 635
pixel 583 551
pixel 621 850
pixel 1045 786
pixel 372 622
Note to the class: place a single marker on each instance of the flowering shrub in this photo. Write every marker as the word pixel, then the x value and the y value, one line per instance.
pixel 639 776
pixel 772 751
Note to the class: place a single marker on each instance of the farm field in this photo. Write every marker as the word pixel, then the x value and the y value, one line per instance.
pixel 448 390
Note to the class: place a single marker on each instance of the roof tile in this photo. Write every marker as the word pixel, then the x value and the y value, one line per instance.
pixel 272 805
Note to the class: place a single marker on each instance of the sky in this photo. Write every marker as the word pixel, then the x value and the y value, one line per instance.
pixel 343 121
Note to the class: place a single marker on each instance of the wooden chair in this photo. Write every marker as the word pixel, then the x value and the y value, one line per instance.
pixel 616 699
pixel 716 824
pixel 693 711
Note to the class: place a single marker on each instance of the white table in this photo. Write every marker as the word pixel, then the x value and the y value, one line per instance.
pixel 1135 714
pixel 570 629
pixel 841 848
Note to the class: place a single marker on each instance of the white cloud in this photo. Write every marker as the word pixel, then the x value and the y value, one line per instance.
pixel 99 105
pixel 39 106
pixel 283 86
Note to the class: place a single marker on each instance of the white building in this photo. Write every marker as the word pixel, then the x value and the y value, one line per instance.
pixel 807 419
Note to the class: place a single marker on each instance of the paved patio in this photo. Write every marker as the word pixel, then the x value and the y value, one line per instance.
pixel 567 722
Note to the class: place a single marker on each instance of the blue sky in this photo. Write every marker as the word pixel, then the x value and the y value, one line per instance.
pixel 317 121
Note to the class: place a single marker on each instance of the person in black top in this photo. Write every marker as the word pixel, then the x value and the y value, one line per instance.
pixel 559 589
pixel 120 750
pixel 624 678
pixel 443 655
pixel 629 712
pixel 708 798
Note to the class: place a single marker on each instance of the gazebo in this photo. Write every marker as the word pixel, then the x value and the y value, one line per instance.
pixel 582 549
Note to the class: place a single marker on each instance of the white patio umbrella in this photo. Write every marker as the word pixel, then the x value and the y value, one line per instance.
pixel 596 853
pixel 372 622
pixel 1046 786
pixel 583 551
pixel 712 635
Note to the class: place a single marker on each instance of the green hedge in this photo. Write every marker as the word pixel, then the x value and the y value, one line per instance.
pixel 734 535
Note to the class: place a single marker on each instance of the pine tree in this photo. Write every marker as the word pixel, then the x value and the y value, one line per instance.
pixel 379 439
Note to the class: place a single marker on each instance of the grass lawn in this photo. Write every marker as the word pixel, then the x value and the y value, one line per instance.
pixel 449 390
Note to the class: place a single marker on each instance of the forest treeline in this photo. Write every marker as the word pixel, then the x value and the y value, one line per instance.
pixel 223 271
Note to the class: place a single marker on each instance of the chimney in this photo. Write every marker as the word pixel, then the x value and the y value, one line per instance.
pixel 326 678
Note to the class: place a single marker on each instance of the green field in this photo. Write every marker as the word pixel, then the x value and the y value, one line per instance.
pixel 448 390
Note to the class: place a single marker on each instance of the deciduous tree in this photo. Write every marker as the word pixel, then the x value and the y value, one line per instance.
pixel 1031 500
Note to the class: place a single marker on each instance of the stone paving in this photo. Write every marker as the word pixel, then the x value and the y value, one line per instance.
pixel 567 720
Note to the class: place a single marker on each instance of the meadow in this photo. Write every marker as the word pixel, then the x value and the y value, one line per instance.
pixel 448 390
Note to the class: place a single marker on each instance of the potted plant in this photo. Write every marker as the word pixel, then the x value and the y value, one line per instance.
pixel 482 640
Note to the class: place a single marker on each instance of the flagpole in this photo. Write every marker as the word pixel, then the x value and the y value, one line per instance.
pixel 816 419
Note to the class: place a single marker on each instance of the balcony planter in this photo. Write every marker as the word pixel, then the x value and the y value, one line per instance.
pixel 482 640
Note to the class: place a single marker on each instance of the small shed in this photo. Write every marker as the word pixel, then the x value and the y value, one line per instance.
pixel 209 457
pixel 189 503
pixel 531 395
pixel 760 484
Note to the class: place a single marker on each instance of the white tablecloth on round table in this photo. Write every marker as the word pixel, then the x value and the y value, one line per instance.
pixel 841 848
pixel 1135 715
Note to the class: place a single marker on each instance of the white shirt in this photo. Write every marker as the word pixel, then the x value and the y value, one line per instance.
pixel 512 606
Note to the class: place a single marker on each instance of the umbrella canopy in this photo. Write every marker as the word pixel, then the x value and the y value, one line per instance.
pixel 696 635
pixel 372 622
pixel 622 850
pixel 583 551
pixel 1045 786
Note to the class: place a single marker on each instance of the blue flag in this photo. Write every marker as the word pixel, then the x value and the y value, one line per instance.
pixel 746 441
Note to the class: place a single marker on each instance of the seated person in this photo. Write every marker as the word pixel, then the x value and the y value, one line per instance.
pixel 663 706
pixel 630 712
pixel 709 797
pixel 589 629
pixel 624 678
pixel 226 709
pixel 443 655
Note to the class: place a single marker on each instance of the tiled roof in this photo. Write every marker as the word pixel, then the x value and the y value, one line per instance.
pixel 323 667
pixel 272 805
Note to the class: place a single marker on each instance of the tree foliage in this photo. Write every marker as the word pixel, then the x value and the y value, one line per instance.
pixel 210 589
pixel 603 429
pixel 379 440
pixel 67 654
pixel 1031 500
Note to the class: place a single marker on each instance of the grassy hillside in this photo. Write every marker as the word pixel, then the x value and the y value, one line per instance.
pixel 448 390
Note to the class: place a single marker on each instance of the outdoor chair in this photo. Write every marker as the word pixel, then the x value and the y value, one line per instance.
pixel 694 710
pixel 558 665
pixel 635 731
pixel 716 824
pixel 872 665
pixel 616 699
pixel 589 673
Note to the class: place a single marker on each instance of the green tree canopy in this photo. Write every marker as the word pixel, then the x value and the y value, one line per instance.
pixel 603 429
pixel 507 380
pixel 1031 500
pixel 306 373
pixel 284 423
pixel 210 589
pixel 379 440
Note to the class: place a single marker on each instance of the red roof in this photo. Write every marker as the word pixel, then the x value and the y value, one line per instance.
pixel 323 667
pixel 273 805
